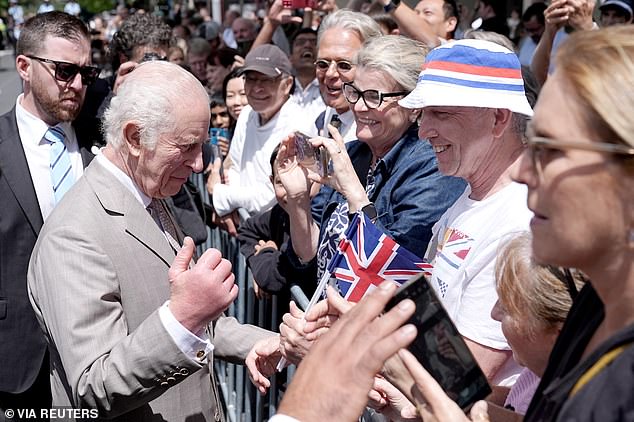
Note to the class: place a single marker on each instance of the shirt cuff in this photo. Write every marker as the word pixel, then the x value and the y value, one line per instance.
pixel 195 347
pixel 282 418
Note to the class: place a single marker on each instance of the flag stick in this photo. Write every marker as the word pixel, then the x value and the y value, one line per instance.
pixel 320 288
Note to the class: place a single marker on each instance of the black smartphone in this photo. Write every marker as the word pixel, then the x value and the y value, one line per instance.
pixel 439 347
pixel 314 158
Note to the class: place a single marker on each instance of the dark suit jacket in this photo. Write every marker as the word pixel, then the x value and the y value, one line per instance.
pixel 22 344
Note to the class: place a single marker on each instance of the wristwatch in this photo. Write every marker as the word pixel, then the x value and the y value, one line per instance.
pixel 391 6
pixel 370 211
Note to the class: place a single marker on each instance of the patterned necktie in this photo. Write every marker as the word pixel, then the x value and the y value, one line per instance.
pixel 61 170
pixel 157 209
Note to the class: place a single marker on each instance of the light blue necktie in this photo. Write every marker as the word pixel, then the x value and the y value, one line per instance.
pixel 61 170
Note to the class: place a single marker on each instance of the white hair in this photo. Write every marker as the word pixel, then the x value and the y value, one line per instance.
pixel 396 55
pixel 148 96
pixel 362 24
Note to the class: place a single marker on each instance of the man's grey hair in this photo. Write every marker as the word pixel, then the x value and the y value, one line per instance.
pixel 396 55
pixel 362 24
pixel 149 96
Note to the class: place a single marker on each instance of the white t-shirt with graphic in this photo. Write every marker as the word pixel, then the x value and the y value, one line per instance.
pixel 463 251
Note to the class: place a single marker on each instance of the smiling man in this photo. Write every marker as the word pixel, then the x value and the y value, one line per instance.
pixel 474 112
pixel 303 55
pixel 270 116
pixel 341 35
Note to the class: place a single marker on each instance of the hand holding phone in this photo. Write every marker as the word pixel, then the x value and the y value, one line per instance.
pixel 439 347
pixel 310 157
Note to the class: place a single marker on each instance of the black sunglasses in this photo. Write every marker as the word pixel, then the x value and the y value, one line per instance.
pixel 66 72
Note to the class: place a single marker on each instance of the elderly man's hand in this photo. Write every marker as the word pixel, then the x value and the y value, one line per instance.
pixel 201 293
pixel 390 402
pixel 261 362
pixel 345 360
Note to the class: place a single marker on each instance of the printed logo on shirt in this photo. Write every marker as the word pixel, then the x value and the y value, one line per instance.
pixel 450 255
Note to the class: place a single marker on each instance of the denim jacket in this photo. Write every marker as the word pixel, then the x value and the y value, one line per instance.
pixel 410 193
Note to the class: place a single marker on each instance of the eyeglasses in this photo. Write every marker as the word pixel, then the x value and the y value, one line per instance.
pixel 66 72
pixel 539 148
pixel 343 66
pixel 371 97
pixel 250 79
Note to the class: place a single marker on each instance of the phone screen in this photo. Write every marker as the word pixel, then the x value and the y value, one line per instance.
pixel 309 156
pixel 439 347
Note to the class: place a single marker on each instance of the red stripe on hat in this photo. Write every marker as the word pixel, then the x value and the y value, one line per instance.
pixel 474 70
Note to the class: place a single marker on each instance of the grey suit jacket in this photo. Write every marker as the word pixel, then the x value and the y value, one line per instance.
pixel 97 276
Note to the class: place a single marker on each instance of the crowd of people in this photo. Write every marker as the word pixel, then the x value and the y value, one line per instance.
pixel 504 165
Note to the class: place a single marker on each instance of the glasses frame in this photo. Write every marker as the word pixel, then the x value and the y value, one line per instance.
pixel 361 94
pixel 86 72
pixel 329 63
pixel 536 143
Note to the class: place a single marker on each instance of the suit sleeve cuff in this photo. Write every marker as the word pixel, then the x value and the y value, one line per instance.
pixel 195 347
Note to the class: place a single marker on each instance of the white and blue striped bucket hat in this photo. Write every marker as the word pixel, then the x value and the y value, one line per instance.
pixel 470 73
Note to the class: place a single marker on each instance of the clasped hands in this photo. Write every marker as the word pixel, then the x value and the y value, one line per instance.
pixel 424 399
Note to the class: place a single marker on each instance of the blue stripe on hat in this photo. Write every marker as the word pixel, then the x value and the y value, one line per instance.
pixel 472 84
pixel 474 56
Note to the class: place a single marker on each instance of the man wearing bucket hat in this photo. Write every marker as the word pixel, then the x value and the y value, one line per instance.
pixel 616 12
pixel 474 112
pixel 267 119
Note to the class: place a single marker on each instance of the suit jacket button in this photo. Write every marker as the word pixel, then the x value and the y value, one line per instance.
pixel 164 384
pixel 184 372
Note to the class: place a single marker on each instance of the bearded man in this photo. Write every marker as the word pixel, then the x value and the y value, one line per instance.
pixel 40 159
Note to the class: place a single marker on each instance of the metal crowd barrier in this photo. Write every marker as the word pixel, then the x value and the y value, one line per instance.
pixel 242 400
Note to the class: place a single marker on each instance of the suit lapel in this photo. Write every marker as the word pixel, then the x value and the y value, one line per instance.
pixel 119 201
pixel 15 170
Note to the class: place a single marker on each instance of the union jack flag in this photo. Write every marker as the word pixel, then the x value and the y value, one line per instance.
pixel 366 257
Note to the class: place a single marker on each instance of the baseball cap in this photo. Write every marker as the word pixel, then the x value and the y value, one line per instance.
pixel 470 73
pixel 623 4
pixel 269 60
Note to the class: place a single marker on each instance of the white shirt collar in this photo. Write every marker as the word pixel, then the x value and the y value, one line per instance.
pixel 124 179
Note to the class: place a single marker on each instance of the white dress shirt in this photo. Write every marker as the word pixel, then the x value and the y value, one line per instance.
pixel 188 342
pixel 38 154
pixel 309 98
pixel 348 128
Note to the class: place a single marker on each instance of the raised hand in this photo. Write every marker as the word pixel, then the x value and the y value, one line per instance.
pixel 200 294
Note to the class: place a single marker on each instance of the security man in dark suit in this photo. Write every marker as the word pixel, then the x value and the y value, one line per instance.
pixel 40 160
